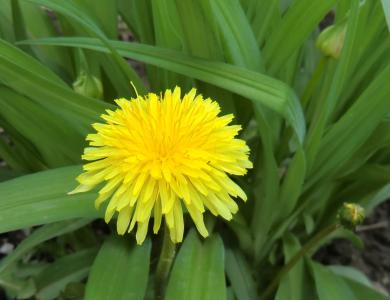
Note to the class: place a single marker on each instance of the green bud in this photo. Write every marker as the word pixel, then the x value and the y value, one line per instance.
pixel 88 85
pixel 351 215
pixel 331 40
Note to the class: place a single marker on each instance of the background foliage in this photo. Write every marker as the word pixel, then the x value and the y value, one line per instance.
pixel 318 127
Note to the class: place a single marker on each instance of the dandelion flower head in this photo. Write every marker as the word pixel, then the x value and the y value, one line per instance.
pixel 157 155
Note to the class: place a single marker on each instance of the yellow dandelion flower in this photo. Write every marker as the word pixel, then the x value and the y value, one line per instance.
pixel 156 154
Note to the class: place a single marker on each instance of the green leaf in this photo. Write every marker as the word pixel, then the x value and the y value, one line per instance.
pixel 73 11
pixel 261 89
pixel 6 26
pixel 266 17
pixel 378 140
pixel 41 128
pixel 168 34
pixel 27 76
pixel 199 35
pixel 198 271
pixel 362 292
pixel 42 198
pixel 240 42
pixel 201 39
pixel 376 198
pixel 39 236
pixel 296 284
pixel 240 275
pixel 105 15
pixel 351 273
pixel 10 155
pixel 17 288
pixel 386 9
pixel 268 188
pixel 329 286
pixel 56 276
pixel 289 34
pixel 353 129
pixel 324 108
pixel 293 184
pixel 138 17
pixel 120 271
pixel 350 279
pixel 39 24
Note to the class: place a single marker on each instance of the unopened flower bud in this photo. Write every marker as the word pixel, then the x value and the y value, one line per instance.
pixel 331 40
pixel 88 85
pixel 351 215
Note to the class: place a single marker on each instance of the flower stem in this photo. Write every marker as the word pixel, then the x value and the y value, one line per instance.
pixel 305 249
pixel 164 264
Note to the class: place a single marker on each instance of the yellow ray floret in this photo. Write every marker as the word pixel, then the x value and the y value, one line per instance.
pixel 158 154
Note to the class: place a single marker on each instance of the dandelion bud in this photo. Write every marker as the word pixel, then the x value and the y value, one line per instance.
pixel 351 215
pixel 331 40
pixel 88 85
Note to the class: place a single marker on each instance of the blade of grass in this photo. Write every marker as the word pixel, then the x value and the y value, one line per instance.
pixel 41 128
pixel 296 284
pixel 25 75
pixel 240 43
pixel 6 24
pixel 259 88
pixel 266 19
pixel 23 150
pixel 105 14
pixel 198 271
pixel 290 34
pixel 46 200
pixel 168 34
pixel 330 286
pixel 138 17
pixel 76 14
pixel 240 275
pixel 386 9
pixel 325 108
pixel 201 39
pixel 120 271
pixel 353 129
pixel 38 24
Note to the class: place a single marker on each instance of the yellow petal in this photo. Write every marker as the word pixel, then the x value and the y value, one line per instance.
pixel 197 217
pixel 179 223
pixel 157 216
pixel 124 218
pixel 142 229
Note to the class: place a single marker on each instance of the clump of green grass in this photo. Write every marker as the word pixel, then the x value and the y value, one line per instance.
pixel 315 110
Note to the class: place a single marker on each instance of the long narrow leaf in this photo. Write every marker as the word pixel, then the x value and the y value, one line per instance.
pixel 259 88
pixel 198 272
pixel 386 9
pixel 299 21
pixel 74 12
pixel 41 198
pixel 120 271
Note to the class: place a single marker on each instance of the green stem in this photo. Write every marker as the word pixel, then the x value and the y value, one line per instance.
pixel 314 241
pixel 164 264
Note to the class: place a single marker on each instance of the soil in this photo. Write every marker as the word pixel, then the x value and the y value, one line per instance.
pixel 374 259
